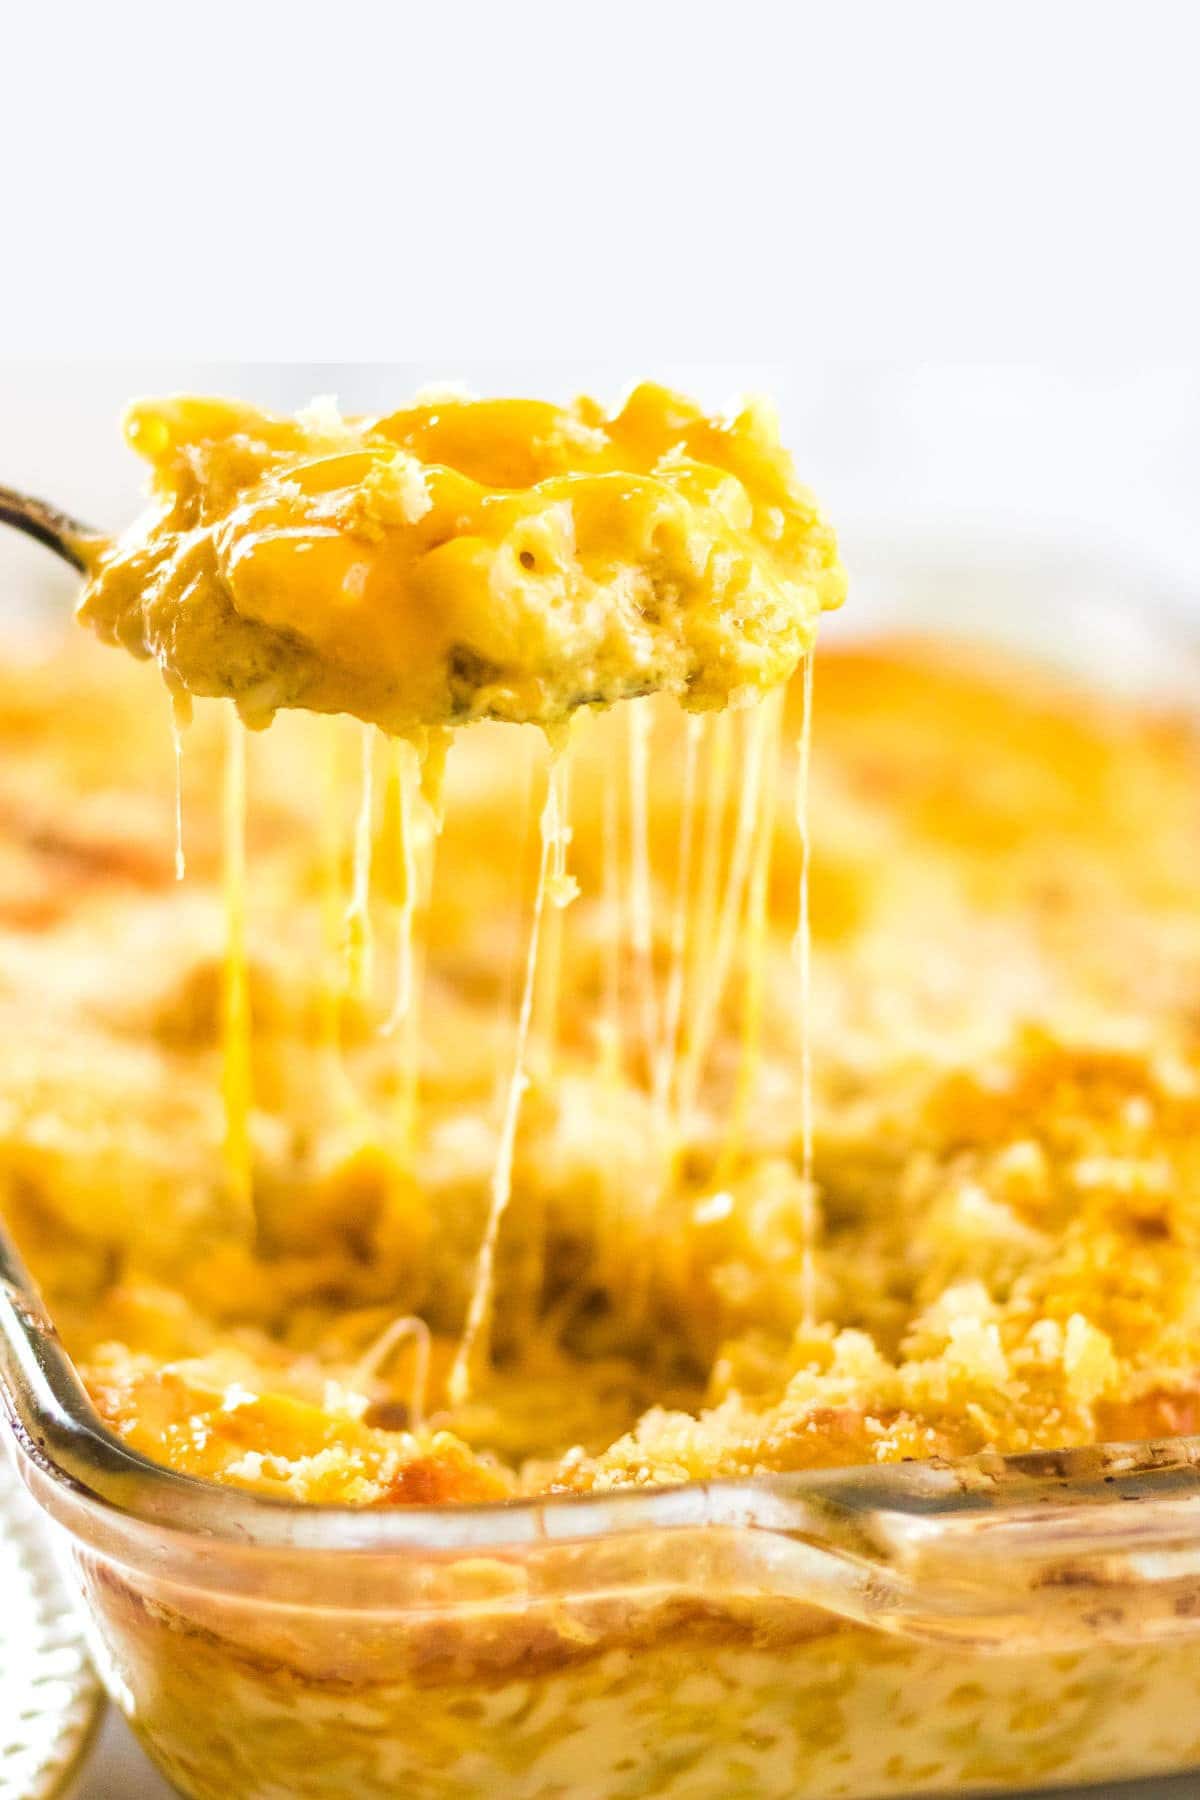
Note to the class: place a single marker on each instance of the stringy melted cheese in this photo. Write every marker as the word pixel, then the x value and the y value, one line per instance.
pixel 1005 979
pixel 466 559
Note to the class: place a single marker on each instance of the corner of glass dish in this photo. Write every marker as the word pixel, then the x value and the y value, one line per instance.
pixel 1042 1550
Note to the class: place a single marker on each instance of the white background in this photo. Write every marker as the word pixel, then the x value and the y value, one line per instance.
pixel 641 179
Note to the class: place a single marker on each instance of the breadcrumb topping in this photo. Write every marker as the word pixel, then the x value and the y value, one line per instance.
pixel 1006 1002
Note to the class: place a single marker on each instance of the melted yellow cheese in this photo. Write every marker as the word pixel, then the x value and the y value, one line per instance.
pixel 754 942
pixel 802 950
pixel 551 876
pixel 179 720
pixel 1004 903
pixel 237 1079
pixel 641 908
pixel 360 945
pixel 466 559
pixel 666 1070
pixel 716 970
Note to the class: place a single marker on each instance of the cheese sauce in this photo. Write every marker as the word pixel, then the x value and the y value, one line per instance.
pixel 466 559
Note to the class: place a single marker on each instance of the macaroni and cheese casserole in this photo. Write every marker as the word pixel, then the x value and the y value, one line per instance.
pixel 776 1061
pixel 999 1244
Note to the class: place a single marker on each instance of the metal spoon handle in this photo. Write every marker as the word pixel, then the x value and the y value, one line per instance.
pixel 61 533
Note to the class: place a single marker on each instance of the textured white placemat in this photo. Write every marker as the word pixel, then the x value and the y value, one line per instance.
pixel 49 1697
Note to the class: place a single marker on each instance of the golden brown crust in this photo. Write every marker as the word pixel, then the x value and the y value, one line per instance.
pixel 1007 988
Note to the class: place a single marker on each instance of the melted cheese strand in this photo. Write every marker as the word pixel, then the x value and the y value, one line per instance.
pixel 409 1085
pixel 403 1020
pixel 479 1310
pixel 611 1033
pixel 330 862
pixel 373 1361
pixel 802 951
pixel 561 889
pixel 526 881
pixel 434 753
pixel 754 983
pixel 702 949
pixel 717 975
pixel 666 1073
pixel 407 774
pixel 347 1102
pixel 640 894
pixel 236 1076
pixel 421 834
pixel 181 717
pixel 427 826
pixel 359 946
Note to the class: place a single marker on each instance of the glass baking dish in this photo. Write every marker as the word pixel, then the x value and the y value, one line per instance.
pixel 918 1628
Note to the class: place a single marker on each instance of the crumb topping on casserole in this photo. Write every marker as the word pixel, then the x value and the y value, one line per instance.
pixel 1005 909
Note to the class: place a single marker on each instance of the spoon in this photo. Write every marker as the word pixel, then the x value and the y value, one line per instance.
pixel 66 536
